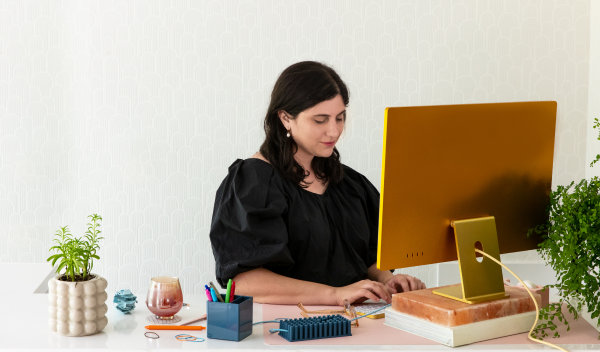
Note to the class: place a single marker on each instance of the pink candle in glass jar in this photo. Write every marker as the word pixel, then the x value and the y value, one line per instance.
pixel 164 298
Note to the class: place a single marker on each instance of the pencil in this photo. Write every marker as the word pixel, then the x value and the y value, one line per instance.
pixel 176 327
pixel 203 317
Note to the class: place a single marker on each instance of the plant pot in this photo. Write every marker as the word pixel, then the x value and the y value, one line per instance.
pixel 77 308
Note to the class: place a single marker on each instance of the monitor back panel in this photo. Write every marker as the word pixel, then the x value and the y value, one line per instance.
pixel 452 162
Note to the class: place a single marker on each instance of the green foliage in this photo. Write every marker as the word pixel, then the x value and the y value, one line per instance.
pixel 596 125
pixel 571 245
pixel 548 314
pixel 77 255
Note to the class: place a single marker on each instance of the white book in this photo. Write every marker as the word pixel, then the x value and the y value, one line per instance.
pixel 462 334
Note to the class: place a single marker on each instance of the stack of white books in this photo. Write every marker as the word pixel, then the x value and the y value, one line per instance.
pixel 462 334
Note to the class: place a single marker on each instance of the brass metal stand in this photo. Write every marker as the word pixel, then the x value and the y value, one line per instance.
pixel 480 282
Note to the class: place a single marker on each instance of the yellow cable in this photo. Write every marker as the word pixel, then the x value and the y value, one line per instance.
pixel 537 309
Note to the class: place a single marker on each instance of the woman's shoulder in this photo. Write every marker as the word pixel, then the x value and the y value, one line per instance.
pixel 254 173
pixel 259 156
pixel 350 173
pixel 353 179
pixel 257 170
pixel 250 181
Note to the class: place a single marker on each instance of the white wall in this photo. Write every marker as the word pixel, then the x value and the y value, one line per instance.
pixel 593 144
pixel 135 109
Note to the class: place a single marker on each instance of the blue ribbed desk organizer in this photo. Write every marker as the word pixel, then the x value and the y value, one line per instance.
pixel 315 328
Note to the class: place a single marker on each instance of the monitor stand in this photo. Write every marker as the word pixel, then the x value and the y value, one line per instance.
pixel 480 281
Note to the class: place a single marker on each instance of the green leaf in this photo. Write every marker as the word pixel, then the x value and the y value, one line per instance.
pixel 54 260
pixel 53 257
pixel 60 267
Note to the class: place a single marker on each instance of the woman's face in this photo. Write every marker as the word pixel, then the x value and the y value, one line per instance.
pixel 317 130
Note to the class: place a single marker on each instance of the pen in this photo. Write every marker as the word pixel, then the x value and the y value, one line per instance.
pixel 232 291
pixel 176 327
pixel 208 293
pixel 203 317
pixel 214 295
pixel 228 294
pixel 219 297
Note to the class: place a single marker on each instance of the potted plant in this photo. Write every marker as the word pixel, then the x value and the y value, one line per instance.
pixel 571 246
pixel 77 295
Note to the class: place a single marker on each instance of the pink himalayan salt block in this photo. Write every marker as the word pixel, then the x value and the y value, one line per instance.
pixel 545 294
pixel 443 311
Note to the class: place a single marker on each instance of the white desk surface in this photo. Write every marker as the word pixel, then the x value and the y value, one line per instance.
pixel 24 326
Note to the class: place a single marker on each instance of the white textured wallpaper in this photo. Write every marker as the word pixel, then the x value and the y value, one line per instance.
pixel 593 144
pixel 135 109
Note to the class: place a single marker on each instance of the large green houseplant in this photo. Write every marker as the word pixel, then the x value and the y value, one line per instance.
pixel 571 246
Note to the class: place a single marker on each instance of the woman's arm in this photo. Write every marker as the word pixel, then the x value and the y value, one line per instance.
pixel 267 287
pixel 379 275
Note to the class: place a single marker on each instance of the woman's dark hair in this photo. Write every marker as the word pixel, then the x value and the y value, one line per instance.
pixel 299 87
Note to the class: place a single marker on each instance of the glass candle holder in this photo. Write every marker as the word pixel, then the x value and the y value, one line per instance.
pixel 164 297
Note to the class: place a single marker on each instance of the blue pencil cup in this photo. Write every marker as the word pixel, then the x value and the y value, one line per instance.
pixel 229 321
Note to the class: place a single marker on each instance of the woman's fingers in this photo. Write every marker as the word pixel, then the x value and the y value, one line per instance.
pixel 406 282
pixel 415 284
pixel 359 300
pixel 378 289
pixel 391 287
pixel 402 281
pixel 369 294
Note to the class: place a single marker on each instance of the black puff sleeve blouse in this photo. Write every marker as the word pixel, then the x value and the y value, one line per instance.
pixel 261 219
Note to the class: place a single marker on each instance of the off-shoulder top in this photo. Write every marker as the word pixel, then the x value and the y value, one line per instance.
pixel 260 219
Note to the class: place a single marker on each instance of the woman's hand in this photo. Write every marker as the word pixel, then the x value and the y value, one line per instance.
pixel 361 291
pixel 403 283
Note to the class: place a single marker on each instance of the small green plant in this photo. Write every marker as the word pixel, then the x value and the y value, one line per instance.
pixel 77 255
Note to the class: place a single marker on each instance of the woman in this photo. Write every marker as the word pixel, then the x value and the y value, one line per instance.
pixel 292 224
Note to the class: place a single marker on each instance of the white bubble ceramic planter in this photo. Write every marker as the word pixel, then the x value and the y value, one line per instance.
pixel 77 308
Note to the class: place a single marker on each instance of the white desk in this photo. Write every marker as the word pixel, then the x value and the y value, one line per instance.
pixel 24 325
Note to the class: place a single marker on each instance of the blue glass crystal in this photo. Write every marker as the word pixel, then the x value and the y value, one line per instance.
pixel 125 301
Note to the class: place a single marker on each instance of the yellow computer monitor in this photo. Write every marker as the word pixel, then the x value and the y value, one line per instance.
pixel 452 162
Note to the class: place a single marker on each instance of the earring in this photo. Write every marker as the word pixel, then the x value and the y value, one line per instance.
pixel 288 134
